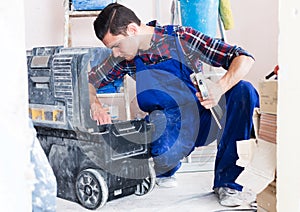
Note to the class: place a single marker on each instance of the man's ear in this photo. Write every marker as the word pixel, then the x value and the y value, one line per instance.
pixel 132 29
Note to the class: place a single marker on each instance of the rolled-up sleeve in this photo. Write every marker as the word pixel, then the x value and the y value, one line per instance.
pixel 109 71
pixel 212 51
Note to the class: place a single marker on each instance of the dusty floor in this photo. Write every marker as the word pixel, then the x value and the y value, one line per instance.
pixel 193 193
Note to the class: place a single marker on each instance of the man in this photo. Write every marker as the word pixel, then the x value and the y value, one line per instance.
pixel 162 60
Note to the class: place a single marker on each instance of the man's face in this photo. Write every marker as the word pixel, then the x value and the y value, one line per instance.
pixel 122 46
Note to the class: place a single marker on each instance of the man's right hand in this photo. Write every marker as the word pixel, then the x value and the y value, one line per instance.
pixel 100 114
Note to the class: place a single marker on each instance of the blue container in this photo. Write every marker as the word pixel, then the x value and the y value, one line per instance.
pixel 82 5
pixel 114 87
pixel 202 15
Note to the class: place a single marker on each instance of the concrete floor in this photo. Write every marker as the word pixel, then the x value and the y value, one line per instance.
pixel 193 193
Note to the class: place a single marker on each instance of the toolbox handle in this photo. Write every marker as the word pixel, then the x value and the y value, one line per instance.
pixel 126 129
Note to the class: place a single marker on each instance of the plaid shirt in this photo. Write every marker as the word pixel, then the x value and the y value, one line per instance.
pixel 196 45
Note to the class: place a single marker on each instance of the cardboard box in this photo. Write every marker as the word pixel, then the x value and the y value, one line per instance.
pixel 131 98
pixel 268 96
pixel 123 106
pixel 115 104
pixel 259 159
pixel 266 200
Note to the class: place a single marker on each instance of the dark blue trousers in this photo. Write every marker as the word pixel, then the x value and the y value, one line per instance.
pixel 172 141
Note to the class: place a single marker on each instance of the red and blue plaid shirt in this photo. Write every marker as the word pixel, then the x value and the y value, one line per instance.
pixel 196 45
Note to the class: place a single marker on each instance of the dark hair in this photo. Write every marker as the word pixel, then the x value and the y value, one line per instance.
pixel 114 18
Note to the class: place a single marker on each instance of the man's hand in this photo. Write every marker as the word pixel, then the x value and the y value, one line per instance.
pixel 214 94
pixel 237 70
pixel 100 114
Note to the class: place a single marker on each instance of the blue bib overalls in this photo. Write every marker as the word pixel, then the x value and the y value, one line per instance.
pixel 181 123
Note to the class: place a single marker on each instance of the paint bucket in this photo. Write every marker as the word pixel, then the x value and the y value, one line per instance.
pixel 202 15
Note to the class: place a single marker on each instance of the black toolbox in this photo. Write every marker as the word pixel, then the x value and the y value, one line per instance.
pixel 92 164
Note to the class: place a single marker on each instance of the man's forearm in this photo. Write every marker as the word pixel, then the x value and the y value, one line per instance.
pixel 93 95
pixel 238 69
pixel 95 104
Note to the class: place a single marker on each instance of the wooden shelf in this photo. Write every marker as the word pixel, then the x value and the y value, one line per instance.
pixel 80 14
pixel 69 14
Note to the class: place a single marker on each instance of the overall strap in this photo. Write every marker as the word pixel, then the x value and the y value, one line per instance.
pixel 174 38
pixel 184 59
pixel 178 53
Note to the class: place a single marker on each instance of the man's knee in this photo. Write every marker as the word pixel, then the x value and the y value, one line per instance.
pixel 244 91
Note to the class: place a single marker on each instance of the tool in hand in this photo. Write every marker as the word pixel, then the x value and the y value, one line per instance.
pixel 199 82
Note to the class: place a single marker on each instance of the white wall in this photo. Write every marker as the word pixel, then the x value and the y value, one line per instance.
pixel 44 22
pixel 256 27
pixel 288 147
pixel 15 172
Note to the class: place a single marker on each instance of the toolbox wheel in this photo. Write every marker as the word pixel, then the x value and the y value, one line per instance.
pixel 147 184
pixel 91 189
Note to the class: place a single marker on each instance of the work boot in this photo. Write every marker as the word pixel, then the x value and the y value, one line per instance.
pixel 228 197
pixel 166 182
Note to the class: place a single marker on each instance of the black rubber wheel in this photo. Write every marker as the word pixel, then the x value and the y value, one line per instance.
pixel 91 189
pixel 147 184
